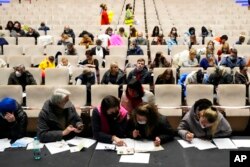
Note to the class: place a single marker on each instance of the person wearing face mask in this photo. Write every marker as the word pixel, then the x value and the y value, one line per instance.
pixel 203 121
pixel 147 123
pixel 140 73
pixel 17 30
pixel 190 37
pixel 233 60
pixel 134 49
pixel 140 40
pixel 208 61
pixel 173 31
pixel 100 51
pixel 13 120
pixel 22 77
pixel 129 16
pixel 58 119
pixel 134 95
pixel 160 61
pixel 109 121
pixel 171 42
pixel 68 31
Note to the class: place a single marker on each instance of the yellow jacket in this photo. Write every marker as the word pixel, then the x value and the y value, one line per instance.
pixel 46 64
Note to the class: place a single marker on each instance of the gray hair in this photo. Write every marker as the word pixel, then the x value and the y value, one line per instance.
pixel 58 95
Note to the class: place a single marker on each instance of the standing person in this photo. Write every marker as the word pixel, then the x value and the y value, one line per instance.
pixel 129 16
pixel 104 15
pixel 109 121
pixel 58 118
pixel 22 77
pixel 13 120
pixel 134 95
pixel 203 121
pixel 147 123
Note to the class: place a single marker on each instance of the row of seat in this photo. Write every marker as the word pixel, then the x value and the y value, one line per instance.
pixel 167 99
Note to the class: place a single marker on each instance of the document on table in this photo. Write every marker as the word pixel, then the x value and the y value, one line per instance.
pixel 203 144
pixel 83 141
pixel 224 143
pixel 136 158
pixel 23 142
pixel 105 146
pixel 241 142
pixel 4 143
pixel 186 144
pixel 31 146
pixel 141 145
pixel 57 147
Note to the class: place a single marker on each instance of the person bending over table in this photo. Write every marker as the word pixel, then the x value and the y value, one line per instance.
pixel 58 119
pixel 147 123
pixel 203 121
pixel 109 121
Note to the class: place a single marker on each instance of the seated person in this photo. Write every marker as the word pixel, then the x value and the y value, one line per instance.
pixel 208 61
pixel 241 39
pixel 134 49
pixel 13 120
pixel 221 40
pixel 86 32
pixel 147 123
pixel 22 77
pixel 140 40
pixel 133 32
pixel 48 62
pixel 242 76
pixel 171 42
pixel 43 27
pixel 109 121
pixel 65 64
pixel 114 75
pixel 191 60
pixel 195 77
pixel 160 61
pixel 58 119
pixel 67 30
pixel 121 32
pixel 17 30
pixel 233 60
pixel 190 37
pixel 140 73
pixel 203 121
pixel 86 41
pixel 70 50
pixel 100 51
pixel 166 77
pixel 90 62
pixel 32 33
pixel 134 95
pixel 224 50
pixel 115 40
pixel 159 40
pixel 64 40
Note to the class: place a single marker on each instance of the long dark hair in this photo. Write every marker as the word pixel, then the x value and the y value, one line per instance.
pixel 156 34
pixel 135 85
pixel 109 102
pixel 150 112
pixel 164 74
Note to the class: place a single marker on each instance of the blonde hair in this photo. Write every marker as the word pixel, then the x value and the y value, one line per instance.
pixel 211 115
pixel 192 51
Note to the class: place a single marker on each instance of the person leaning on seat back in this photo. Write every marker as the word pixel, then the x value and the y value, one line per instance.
pixel 203 121
pixel 109 121
pixel 147 123
pixel 233 60
pixel 58 118
pixel 13 120
pixel 22 77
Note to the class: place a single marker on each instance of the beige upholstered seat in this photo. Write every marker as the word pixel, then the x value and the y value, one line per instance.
pixel 56 76
pixel 13 91
pixel 158 71
pixel 4 75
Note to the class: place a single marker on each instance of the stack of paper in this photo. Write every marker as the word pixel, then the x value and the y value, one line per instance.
pixel 225 143
pixel 105 146
pixel 81 141
pixel 198 143
pixel 23 142
pixel 4 143
pixel 57 147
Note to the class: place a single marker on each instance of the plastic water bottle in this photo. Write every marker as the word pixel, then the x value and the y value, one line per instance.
pixel 36 149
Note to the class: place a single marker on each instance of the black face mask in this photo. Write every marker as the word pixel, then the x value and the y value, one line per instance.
pixel 113 116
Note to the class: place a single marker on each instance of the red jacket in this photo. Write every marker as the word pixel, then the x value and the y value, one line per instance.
pixel 104 18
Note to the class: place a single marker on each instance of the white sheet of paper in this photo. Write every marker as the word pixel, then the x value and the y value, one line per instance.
pixel 30 146
pixel 224 143
pixel 76 148
pixel 23 142
pixel 203 144
pixel 140 146
pixel 136 158
pixel 79 140
pixel 4 143
pixel 104 146
pixel 186 144
pixel 57 147
pixel 241 142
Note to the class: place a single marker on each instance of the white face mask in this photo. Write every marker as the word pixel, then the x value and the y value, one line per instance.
pixel 18 74
pixel 203 127
pixel 141 122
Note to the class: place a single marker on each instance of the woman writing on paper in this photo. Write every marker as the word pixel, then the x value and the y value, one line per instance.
pixel 109 121
pixel 203 121
pixel 147 123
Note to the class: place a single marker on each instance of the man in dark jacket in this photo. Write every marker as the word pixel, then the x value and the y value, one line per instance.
pixel 67 30
pixel 13 120
pixel 58 118
pixel 135 49
pixel 21 77
pixel 140 73
pixel 100 51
